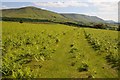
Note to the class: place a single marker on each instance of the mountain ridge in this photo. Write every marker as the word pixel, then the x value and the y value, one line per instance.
pixel 82 17
pixel 33 13
pixel 38 13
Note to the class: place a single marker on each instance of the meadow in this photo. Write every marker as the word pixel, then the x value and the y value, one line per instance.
pixel 58 51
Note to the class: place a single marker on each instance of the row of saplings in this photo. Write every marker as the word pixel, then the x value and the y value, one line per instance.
pixel 113 60
pixel 83 66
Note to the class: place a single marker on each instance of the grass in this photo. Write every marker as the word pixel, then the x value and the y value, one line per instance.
pixel 52 51
pixel 34 13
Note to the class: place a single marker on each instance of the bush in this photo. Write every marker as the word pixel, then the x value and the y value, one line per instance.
pixel 73 50
pixel 83 67
pixel 21 21
pixel 73 64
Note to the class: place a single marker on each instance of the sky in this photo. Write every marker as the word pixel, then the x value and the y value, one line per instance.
pixel 105 9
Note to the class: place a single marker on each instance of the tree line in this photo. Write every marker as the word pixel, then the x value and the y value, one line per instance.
pixel 21 20
pixel 95 25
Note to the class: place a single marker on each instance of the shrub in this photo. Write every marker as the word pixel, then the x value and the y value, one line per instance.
pixel 71 45
pixel 83 67
pixel 21 21
pixel 57 41
pixel 72 50
pixel 73 64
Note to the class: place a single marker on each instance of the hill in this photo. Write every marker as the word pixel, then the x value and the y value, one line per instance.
pixel 111 21
pixel 83 18
pixel 32 13
pixel 37 13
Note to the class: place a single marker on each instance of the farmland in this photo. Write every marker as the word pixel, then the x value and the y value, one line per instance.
pixel 58 51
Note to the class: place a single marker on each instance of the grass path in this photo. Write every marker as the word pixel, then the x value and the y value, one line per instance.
pixel 60 64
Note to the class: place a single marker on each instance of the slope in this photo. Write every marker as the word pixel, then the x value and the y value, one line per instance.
pixel 37 13
pixel 32 13
pixel 83 18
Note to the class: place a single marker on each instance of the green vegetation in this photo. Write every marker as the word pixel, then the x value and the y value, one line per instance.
pixel 83 18
pixel 58 51
pixel 24 20
pixel 33 14
pixel 75 24
pixel 106 43
pixel 37 13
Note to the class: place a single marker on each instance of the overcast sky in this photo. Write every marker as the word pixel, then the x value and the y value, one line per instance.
pixel 105 9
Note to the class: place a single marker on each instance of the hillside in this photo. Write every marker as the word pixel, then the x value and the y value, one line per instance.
pixel 111 21
pixel 83 18
pixel 37 13
pixel 32 13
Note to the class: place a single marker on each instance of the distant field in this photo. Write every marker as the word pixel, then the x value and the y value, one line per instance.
pixel 58 51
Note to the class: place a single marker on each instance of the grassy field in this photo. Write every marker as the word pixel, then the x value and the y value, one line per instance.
pixel 58 51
